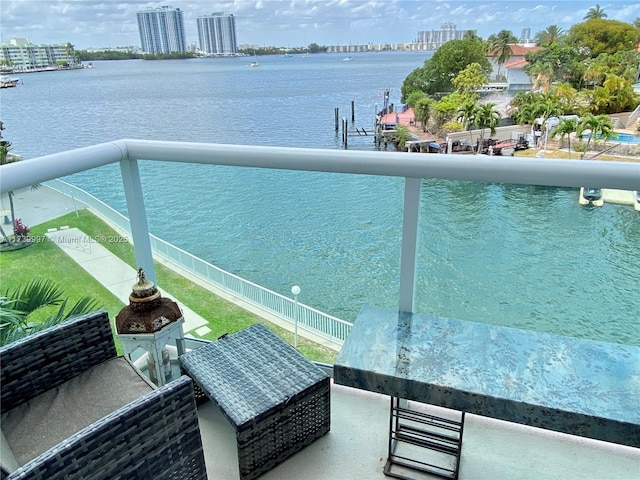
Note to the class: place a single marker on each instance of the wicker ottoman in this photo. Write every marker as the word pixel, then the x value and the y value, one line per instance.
pixel 277 401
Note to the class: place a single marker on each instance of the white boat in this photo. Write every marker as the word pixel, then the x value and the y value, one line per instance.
pixel 255 62
pixel 347 59
pixel 8 82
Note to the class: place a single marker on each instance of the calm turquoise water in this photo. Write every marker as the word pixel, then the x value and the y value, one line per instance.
pixel 522 256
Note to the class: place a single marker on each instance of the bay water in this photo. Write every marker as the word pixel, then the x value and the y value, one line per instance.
pixel 521 256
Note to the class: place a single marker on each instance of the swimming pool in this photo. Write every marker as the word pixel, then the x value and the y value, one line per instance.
pixel 621 137
pixel 625 138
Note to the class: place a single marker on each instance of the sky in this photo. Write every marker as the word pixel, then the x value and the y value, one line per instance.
pixel 294 23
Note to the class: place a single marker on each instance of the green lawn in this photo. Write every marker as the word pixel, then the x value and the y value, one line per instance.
pixel 44 259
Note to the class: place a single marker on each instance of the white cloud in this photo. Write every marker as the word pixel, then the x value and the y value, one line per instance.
pixel 97 23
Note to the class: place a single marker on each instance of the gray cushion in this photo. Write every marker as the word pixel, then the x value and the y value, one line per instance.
pixel 53 416
pixel 7 459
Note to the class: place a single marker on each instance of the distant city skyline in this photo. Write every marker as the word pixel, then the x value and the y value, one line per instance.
pixel 294 23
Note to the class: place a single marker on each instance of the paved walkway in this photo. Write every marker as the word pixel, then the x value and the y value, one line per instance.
pixel 44 204
pixel 114 274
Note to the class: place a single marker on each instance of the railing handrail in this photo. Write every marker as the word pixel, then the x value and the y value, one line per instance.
pixel 411 167
pixel 305 311
pixel 477 168
pixel 633 117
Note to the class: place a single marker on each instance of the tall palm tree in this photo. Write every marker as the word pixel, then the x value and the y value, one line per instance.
pixel 566 127
pixel 595 12
pixel 17 305
pixel 424 107
pixel 467 115
pixel 486 116
pixel 547 108
pixel 599 126
pixel 500 46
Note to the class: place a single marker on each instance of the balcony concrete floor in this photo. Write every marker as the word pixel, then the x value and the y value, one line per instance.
pixel 356 448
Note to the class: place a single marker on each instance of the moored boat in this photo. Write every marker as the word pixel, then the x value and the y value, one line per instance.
pixel 7 82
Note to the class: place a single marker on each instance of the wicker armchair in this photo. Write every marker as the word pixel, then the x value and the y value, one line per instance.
pixel 154 435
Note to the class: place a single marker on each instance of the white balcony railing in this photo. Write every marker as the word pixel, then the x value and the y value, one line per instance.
pixel 413 167
pixel 314 321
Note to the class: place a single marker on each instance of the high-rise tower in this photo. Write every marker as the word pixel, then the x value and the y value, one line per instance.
pixel 525 36
pixel 161 30
pixel 217 34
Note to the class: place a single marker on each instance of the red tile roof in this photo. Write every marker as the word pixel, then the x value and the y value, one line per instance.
pixel 518 50
pixel 517 63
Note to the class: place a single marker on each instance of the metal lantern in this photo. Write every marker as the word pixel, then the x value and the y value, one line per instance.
pixel 147 311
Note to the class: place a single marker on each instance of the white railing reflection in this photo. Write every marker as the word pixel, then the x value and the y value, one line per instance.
pixel 319 323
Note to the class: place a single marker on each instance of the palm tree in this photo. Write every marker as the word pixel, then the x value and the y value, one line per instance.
pixel 471 35
pixel 542 73
pixel 621 94
pixel 599 126
pixel 486 116
pixel 71 54
pixel 552 34
pixel 467 116
pixel 16 307
pixel 500 46
pixel 595 12
pixel 595 73
pixel 547 108
pixel 565 95
pixel 424 107
pixel 526 114
pixel 566 127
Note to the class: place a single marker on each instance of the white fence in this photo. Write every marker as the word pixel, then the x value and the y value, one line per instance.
pixel 310 319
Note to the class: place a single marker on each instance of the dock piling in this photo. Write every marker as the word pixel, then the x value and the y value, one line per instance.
pixel 344 133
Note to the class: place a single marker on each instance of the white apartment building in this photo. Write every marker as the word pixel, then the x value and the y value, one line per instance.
pixel 217 34
pixel 162 30
pixel 20 55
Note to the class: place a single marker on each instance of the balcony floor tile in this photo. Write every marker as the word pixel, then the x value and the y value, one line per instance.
pixel 356 448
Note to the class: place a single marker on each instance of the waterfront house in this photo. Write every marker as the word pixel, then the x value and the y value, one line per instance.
pixel 510 75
